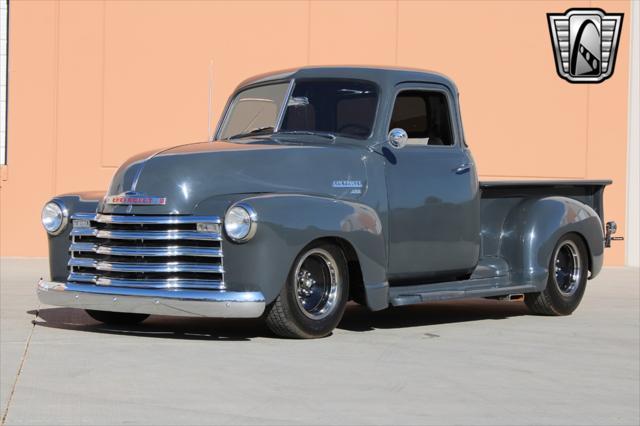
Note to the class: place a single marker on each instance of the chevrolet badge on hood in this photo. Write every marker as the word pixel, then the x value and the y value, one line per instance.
pixel 135 198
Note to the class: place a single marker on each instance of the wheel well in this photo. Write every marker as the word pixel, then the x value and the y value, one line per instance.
pixel 589 255
pixel 586 244
pixel 356 283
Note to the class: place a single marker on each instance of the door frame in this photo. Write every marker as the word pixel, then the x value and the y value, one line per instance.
pixel 452 104
pixel 458 145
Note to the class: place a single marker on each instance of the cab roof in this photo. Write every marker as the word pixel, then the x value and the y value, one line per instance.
pixel 383 76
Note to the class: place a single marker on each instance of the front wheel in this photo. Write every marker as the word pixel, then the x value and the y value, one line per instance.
pixel 313 300
pixel 568 271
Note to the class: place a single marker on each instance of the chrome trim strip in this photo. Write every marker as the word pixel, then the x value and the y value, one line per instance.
pixel 144 267
pixel 137 220
pixel 161 220
pixel 146 251
pixel 199 303
pixel 86 216
pixel 83 277
pixel 171 283
pixel 83 247
pixel 171 234
pixel 83 232
pixel 162 284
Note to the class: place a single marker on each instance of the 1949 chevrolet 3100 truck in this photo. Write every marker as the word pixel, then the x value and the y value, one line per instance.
pixel 321 185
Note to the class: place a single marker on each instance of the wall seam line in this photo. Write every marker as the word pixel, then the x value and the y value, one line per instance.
pixel 309 32
pixel 56 97
pixel 586 150
pixel 632 209
pixel 587 139
pixel 102 80
pixel 397 30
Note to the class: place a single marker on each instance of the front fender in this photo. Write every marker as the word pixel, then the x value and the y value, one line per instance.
pixel 286 224
pixel 533 228
pixel 81 202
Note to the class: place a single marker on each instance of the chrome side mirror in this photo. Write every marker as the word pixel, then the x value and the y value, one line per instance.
pixel 397 138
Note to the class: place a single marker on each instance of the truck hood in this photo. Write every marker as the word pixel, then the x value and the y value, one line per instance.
pixel 186 175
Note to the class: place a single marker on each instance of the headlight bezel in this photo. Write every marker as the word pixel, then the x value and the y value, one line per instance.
pixel 64 221
pixel 251 214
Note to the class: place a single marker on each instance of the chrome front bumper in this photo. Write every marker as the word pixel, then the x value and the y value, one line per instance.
pixel 190 303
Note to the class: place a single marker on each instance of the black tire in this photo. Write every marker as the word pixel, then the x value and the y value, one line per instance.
pixel 564 290
pixel 117 318
pixel 295 315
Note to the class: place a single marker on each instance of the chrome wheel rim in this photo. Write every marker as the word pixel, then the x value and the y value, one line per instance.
pixel 316 284
pixel 567 268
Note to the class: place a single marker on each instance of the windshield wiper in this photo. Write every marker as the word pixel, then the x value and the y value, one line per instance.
pixel 308 132
pixel 258 131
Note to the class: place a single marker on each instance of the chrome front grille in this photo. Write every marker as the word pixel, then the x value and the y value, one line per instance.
pixel 161 252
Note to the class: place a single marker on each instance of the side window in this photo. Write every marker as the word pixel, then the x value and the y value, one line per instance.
pixel 424 116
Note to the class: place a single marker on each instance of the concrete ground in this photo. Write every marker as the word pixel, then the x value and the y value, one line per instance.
pixel 470 362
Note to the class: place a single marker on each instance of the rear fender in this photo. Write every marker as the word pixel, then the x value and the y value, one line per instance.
pixel 533 228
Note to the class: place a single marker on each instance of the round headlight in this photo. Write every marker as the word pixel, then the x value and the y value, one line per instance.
pixel 240 223
pixel 54 218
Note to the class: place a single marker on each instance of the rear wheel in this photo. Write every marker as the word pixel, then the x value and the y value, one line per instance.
pixel 568 271
pixel 313 300
pixel 117 318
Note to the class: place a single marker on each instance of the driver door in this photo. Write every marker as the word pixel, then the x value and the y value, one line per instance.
pixel 434 205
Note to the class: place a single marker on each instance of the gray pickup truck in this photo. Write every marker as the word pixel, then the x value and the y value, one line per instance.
pixel 321 185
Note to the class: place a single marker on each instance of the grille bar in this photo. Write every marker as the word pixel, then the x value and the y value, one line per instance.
pixel 155 220
pixel 160 284
pixel 102 265
pixel 82 277
pixel 146 251
pixel 170 234
pixel 154 252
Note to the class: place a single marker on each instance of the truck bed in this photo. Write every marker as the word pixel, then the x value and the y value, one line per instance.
pixel 501 199
pixel 589 192
pixel 494 275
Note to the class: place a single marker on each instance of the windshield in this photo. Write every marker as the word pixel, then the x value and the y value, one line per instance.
pixel 254 111
pixel 339 107
pixel 328 106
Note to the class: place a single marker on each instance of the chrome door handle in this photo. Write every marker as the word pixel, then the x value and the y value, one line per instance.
pixel 462 168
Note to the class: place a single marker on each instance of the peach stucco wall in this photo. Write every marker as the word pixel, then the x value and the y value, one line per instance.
pixel 93 82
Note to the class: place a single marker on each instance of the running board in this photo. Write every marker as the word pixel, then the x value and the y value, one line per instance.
pixel 484 287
